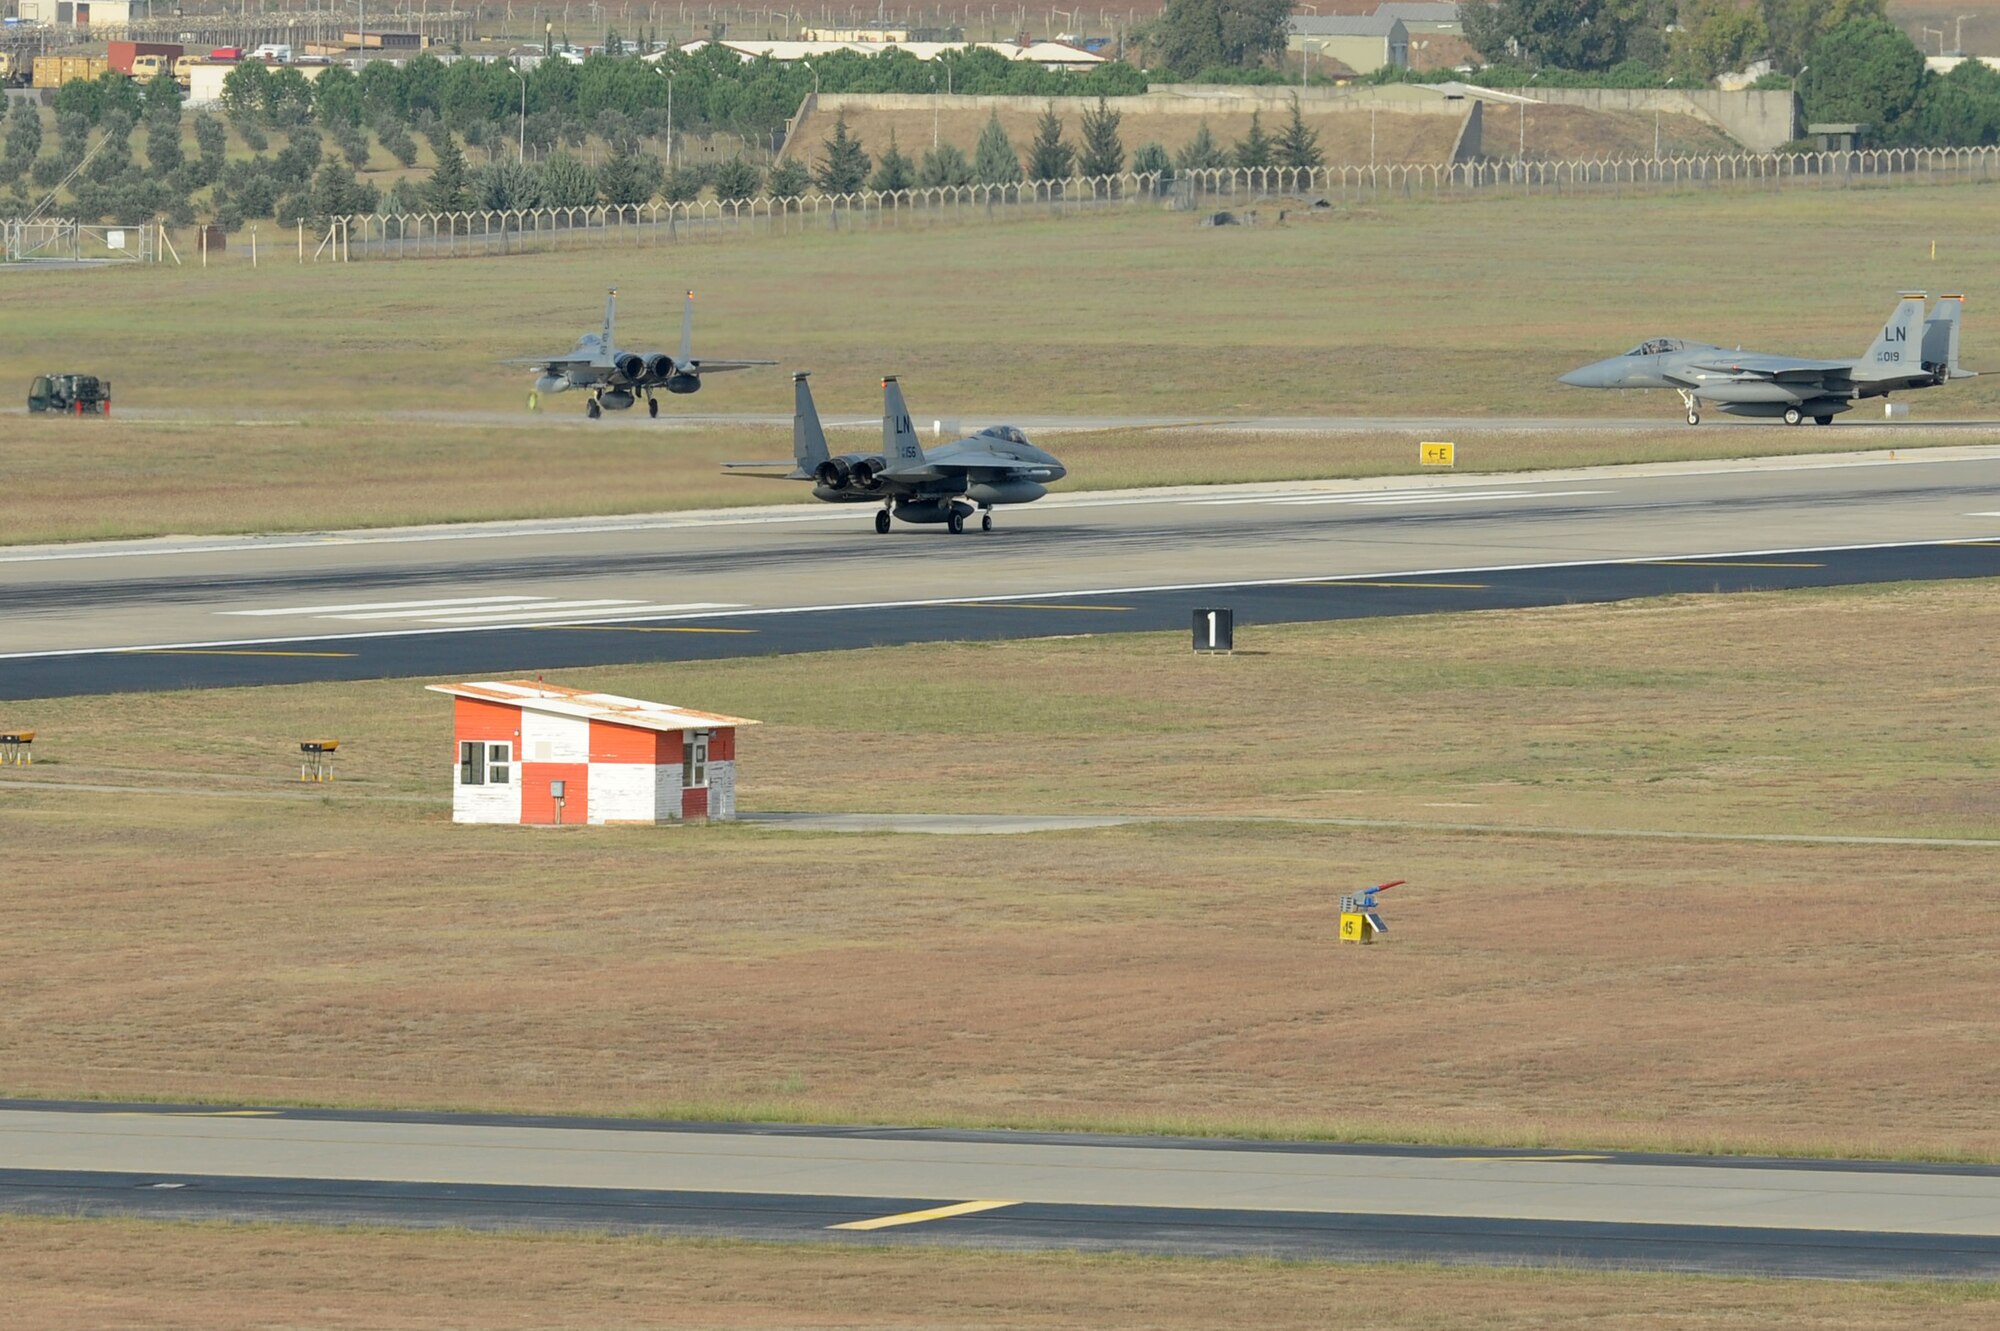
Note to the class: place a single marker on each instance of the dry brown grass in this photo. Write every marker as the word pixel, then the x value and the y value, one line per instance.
pixel 1616 991
pixel 64 1274
pixel 1343 135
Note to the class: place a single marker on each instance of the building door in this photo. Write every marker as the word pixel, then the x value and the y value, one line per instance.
pixel 694 774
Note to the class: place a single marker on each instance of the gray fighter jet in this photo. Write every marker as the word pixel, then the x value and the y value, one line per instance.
pixel 616 379
pixel 948 484
pixel 1909 352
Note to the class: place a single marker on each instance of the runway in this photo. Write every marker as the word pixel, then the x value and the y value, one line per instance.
pixel 1000 1189
pixel 489 598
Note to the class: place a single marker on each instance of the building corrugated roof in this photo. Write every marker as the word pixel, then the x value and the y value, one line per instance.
pixel 1418 11
pixel 555 699
pixel 784 51
pixel 1344 25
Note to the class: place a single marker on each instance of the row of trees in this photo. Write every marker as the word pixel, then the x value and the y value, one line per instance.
pixel 845 166
pixel 1690 40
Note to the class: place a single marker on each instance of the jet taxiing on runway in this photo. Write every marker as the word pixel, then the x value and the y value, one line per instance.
pixel 948 484
pixel 616 379
pixel 1910 352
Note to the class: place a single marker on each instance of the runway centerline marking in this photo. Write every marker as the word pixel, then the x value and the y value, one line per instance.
pixel 918 1217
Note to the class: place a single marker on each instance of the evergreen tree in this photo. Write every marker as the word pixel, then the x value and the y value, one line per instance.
pixel 1299 146
pixel 567 182
pixel 1152 159
pixel 1255 150
pixel 163 145
pixel 737 179
pixel 449 190
pixel 789 179
pixel 163 99
pixel 1865 70
pixel 1050 157
pixel 1103 154
pixel 503 186
pixel 994 161
pixel 1202 152
pixel 24 130
pixel 1193 35
pixel 844 168
pixel 944 165
pixel 893 172
pixel 629 176
pixel 210 139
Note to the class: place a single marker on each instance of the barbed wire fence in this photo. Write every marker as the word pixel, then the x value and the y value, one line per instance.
pixel 529 230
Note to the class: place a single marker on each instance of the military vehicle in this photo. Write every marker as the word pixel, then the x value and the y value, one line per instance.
pixel 70 394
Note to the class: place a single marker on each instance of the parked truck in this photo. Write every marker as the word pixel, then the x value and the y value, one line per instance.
pixel 52 71
pixel 13 70
pixel 142 60
pixel 70 395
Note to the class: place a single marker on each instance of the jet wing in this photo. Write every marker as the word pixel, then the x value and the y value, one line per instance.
pixel 706 366
pixel 1778 369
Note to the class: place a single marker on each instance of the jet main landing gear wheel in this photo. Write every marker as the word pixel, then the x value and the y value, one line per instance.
pixel 881 522
pixel 1793 415
pixel 652 406
pixel 955 523
pixel 592 410
pixel 1694 418
pixel 986 522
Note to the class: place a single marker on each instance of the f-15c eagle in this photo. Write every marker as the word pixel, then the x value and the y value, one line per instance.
pixel 616 379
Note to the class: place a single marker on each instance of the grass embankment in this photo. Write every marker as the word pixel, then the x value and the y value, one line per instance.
pixel 1408 309
pixel 1177 977
pixel 62 1273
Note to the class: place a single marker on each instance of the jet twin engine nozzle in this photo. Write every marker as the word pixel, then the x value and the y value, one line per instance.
pixel 858 471
pixel 660 366
pixel 633 366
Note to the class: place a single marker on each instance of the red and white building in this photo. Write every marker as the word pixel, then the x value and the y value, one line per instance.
pixel 530 752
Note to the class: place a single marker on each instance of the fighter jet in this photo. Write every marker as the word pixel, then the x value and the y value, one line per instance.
pixel 616 378
pixel 948 484
pixel 1909 352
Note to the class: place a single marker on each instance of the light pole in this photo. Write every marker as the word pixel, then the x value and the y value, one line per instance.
pixel 815 73
pixel 521 152
pixel 1958 33
pixel 670 114
pixel 1939 34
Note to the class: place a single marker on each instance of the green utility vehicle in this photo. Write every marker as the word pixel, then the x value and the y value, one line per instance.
pixel 70 394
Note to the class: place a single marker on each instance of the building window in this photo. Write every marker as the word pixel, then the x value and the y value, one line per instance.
pixel 471 763
pixel 499 757
pixel 694 760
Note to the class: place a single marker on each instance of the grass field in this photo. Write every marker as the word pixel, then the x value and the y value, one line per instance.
pixel 1407 309
pixel 357 948
pixel 65 1273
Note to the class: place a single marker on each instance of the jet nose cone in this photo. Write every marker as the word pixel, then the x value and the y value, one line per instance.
pixel 1598 374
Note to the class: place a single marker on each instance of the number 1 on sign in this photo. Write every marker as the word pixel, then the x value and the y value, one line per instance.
pixel 1211 628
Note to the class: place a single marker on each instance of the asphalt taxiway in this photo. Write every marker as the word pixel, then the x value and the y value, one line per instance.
pixel 495 597
pixel 998 1189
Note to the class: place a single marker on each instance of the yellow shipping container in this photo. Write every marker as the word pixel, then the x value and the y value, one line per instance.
pixel 52 71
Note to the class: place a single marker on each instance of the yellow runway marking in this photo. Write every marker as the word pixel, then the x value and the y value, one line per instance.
pixel 1727 563
pixel 1520 1159
pixel 222 651
pixel 1350 582
pixel 623 628
pixel 918 1217
pixel 1033 605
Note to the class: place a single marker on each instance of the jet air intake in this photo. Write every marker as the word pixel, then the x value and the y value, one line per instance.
pixel 1005 492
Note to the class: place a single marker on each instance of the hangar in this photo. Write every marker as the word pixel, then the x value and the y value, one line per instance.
pixel 526 751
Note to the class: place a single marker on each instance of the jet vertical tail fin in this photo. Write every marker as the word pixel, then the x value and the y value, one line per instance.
pixel 687 332
pixel 808 439
pixel 900 447
pixel 1897 351
pixel 1941 338
pixel 610 313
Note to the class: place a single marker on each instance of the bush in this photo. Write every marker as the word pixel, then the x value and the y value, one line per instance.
pixel 252 135
pixel 737 179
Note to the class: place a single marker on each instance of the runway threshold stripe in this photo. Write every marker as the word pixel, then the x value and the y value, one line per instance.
pixel 918 1217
